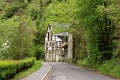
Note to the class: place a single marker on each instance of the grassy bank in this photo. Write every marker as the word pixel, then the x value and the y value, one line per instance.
pixel 110 67
pixel 27 72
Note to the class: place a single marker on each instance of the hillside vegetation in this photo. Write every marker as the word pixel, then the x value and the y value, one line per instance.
pixel 95 25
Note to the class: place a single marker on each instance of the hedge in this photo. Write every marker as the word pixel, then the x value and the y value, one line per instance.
pixel 8 69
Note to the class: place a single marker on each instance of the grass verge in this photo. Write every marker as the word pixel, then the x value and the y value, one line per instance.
pixel 35 67
pixel 110 67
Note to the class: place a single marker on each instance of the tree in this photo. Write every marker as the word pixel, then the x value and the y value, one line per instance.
pixel 19 35
pixel 98 29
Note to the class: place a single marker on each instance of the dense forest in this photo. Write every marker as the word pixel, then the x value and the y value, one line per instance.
pixel 95 25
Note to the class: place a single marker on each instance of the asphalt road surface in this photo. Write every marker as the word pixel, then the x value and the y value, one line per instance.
pixel 64 71
pixel 38 75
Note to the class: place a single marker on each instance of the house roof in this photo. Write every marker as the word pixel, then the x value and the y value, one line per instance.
pixel 61 34
pixel 56 38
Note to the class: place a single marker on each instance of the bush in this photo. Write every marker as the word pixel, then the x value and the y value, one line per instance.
pixel 39 52
pixel 8 69
pixel 82 62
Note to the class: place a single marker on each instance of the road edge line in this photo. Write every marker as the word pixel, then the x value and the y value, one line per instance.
pixel 47 73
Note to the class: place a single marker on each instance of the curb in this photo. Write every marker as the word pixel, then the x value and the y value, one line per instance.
pixel 47 73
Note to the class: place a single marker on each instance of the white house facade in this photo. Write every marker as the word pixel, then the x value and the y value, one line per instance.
pixel 57 47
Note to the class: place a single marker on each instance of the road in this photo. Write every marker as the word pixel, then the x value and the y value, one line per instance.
pixel 64 71
pixel 38 75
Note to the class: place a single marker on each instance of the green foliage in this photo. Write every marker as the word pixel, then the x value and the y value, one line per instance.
pixel 79 44
pixel 18 28
pixel 39 52
pixel 16 31
pixel 95 25
pixel 82 62
pixel 11 8
pixel 35 67
pixel 61 12
pixel 112 67
pixel 109 67
pixel 8 69
pixel 98 28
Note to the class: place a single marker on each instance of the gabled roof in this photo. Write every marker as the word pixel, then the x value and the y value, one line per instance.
pixel 61 34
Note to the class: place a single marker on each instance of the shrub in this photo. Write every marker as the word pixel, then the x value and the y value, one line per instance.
pixel 8 69
pixel 82 62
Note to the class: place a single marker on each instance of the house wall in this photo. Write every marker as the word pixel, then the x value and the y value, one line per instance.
pixel 53 56
pixel 54 50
